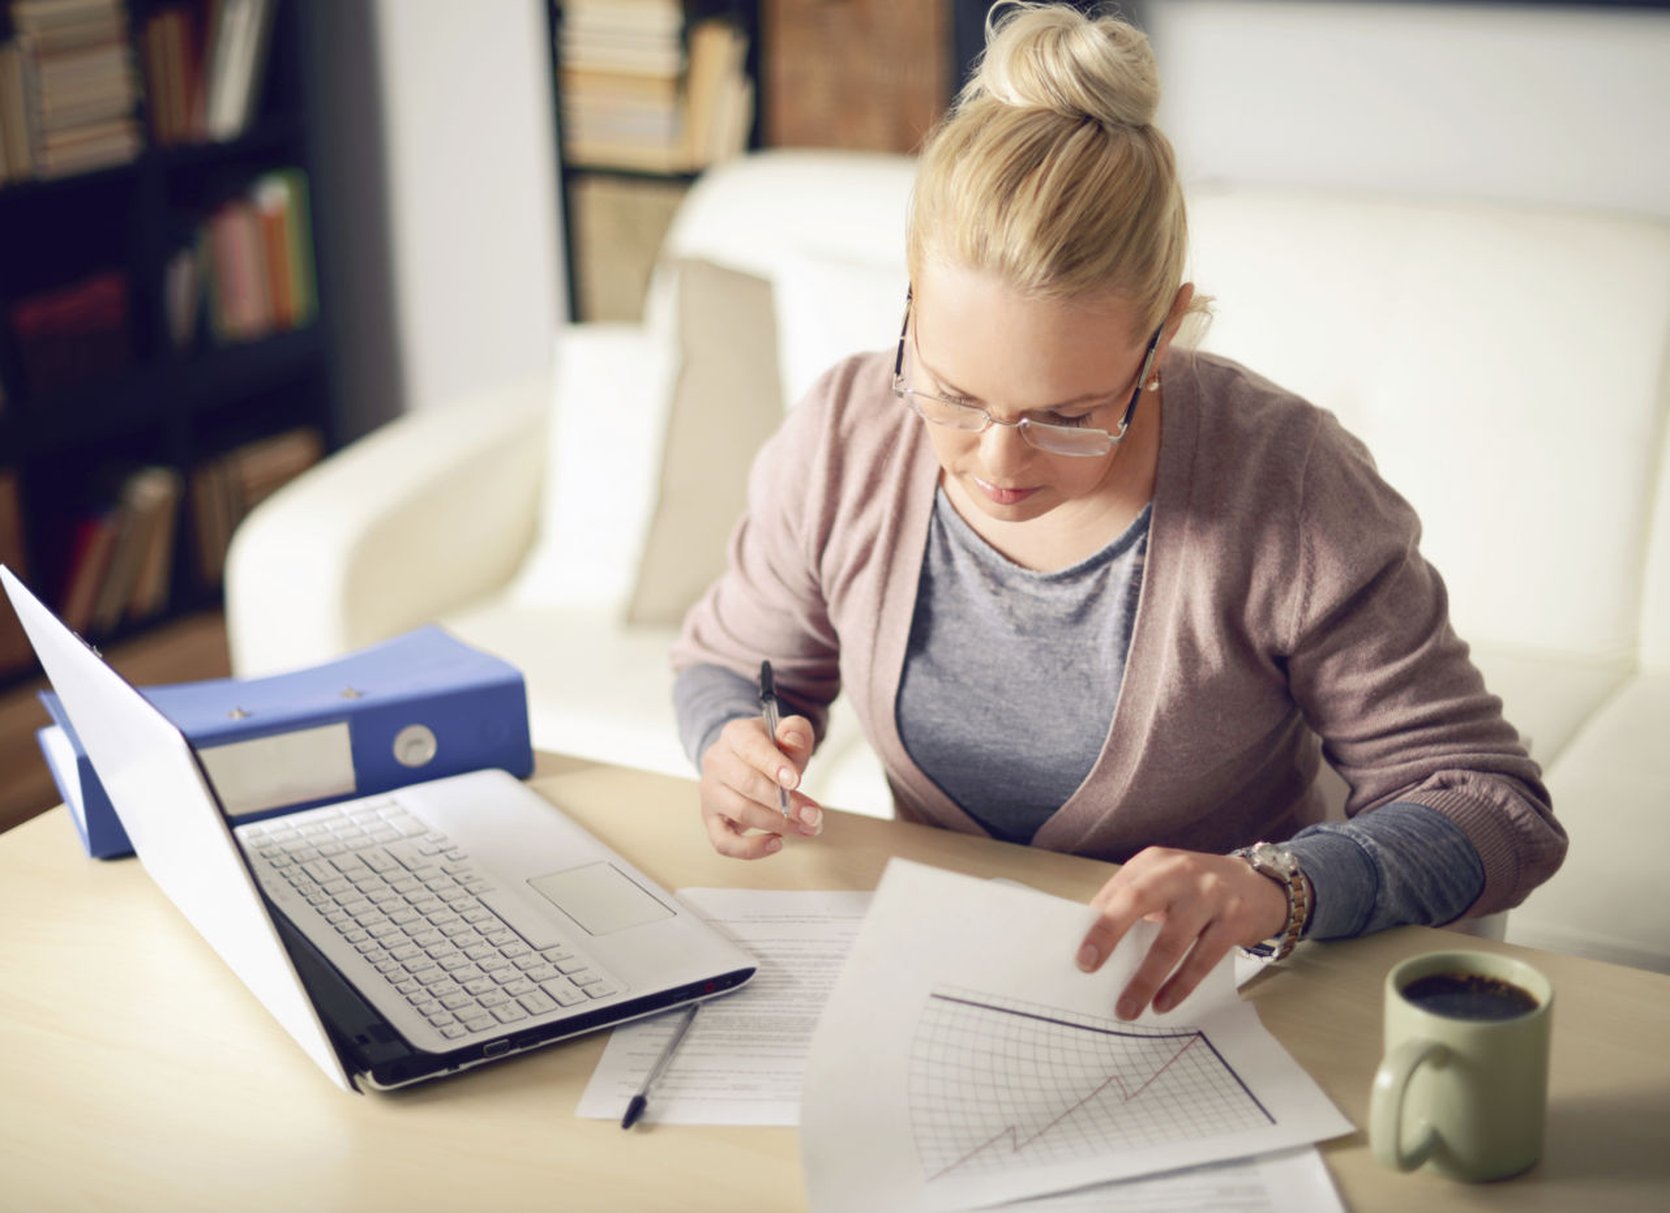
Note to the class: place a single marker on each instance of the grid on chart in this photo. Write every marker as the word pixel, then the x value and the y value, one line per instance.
pixel 997 1083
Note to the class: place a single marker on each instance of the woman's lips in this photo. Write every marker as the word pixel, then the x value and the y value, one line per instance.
pixel 1003 496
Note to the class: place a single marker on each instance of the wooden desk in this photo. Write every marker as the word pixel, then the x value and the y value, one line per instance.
pixel 137 1073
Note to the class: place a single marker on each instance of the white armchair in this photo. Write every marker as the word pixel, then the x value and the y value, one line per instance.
pixel 1506 366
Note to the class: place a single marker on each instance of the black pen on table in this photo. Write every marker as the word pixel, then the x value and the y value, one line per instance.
pixel 640 1101
pixel 768 705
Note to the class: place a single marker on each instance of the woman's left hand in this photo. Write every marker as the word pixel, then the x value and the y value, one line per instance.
pixel 1205 905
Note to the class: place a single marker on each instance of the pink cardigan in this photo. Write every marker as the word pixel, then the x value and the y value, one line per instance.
pixel 1284 599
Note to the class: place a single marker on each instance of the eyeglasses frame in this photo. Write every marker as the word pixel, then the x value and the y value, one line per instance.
pixel 904 391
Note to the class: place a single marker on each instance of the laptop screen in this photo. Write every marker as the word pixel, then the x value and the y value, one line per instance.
pixel 174 821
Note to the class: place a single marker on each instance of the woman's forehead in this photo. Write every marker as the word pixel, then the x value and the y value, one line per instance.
pixel 973 324
pixel 985 299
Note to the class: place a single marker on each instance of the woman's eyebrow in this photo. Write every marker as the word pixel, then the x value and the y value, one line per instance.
pixel 1086 398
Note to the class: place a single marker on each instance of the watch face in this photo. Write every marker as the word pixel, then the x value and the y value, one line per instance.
pixel 1279 858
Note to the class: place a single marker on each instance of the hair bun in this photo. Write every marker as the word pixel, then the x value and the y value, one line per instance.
pixel 1053 57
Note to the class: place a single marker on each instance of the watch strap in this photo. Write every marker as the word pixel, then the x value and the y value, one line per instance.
pixel 1279 864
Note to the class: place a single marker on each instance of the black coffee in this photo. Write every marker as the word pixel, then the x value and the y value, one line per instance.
pixel 1469 996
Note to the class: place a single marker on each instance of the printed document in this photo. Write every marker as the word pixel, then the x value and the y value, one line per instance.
pixel 742 1062
pixel 1289 1181
pixel 967 1065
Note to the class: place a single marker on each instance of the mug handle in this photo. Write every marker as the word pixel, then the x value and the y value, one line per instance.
pixel 1385 1118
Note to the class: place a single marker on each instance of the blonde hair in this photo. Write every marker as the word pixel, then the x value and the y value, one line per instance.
pixel 1049 171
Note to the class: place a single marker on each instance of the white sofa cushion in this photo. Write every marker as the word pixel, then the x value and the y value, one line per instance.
pixel 610 401
pixel 1655 596
pixel 1548 698
pixel 1611 789
pixel 724 405
pixel 1531 466
pixel 829 308
pixel 763 210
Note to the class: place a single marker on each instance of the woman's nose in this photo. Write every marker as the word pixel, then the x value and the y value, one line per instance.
pixel 1001 446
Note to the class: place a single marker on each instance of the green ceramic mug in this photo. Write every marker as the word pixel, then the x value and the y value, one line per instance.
pixel 1463 1087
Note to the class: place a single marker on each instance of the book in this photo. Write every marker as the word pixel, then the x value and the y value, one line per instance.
pixel 14 114
pixel 173 69
pixel 239 306
pixel 75 332
pixel 79 87
pixel 238 61
pixel 254 254
pixel 149 596
pixel 719 95
pixel 662 18
pixel 183 295
pixel 281 205
pixel 143 503
pixel 225 488
pixel 91 543
pixel 15 652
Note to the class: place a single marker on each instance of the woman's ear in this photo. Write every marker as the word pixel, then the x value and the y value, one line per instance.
pixel 1179 309
pixel 1174 319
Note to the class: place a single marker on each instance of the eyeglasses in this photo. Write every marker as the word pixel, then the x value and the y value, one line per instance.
pixel 1054 438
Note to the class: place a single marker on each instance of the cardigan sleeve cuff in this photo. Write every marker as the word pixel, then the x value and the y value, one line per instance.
pixel 706 698
pixel 1344 883
pixel 1399 864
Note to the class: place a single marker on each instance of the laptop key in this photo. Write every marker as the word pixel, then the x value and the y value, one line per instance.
pixel 562 992
pixel 537 1002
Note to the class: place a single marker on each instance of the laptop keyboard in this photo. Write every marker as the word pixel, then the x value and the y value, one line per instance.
pixel 411 903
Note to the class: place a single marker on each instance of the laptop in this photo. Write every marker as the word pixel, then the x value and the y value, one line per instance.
pixel 398 937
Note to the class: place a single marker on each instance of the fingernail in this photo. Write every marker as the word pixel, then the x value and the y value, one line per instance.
pixel 1088 956
pixel 787 776
pixel 810 816
pixel 773 845
pixel 1128 1008
pixel 1162 1003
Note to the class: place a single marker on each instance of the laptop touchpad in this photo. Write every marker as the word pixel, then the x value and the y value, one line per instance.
pixel 601 898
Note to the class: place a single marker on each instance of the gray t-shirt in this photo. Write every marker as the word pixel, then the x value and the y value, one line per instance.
pixel 1011 676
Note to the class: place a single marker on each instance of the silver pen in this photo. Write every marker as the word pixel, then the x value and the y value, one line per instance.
pixel 768 705
pixel 640 1101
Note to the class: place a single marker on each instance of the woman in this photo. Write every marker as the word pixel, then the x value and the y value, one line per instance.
pixel 1094 592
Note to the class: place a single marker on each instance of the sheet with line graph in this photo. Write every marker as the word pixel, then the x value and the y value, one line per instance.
pixel 995 1082
pixel 966 1061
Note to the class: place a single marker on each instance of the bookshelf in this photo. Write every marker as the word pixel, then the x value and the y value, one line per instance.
pixel 164 360
pixel 647 93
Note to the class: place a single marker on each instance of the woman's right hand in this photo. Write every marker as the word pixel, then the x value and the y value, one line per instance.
pixel 741 773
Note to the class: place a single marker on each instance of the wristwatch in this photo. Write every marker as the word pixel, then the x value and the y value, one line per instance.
pixel 1282 866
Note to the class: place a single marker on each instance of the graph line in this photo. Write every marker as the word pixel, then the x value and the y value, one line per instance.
pixel 998 1082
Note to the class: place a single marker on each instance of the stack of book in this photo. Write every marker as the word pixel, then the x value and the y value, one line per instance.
pixel 121 558
pixel 226 488
pixel 250 265
pixel 635 98
pixel 205 61
pixel 73 333
pixel 719 95
pixel 68 89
